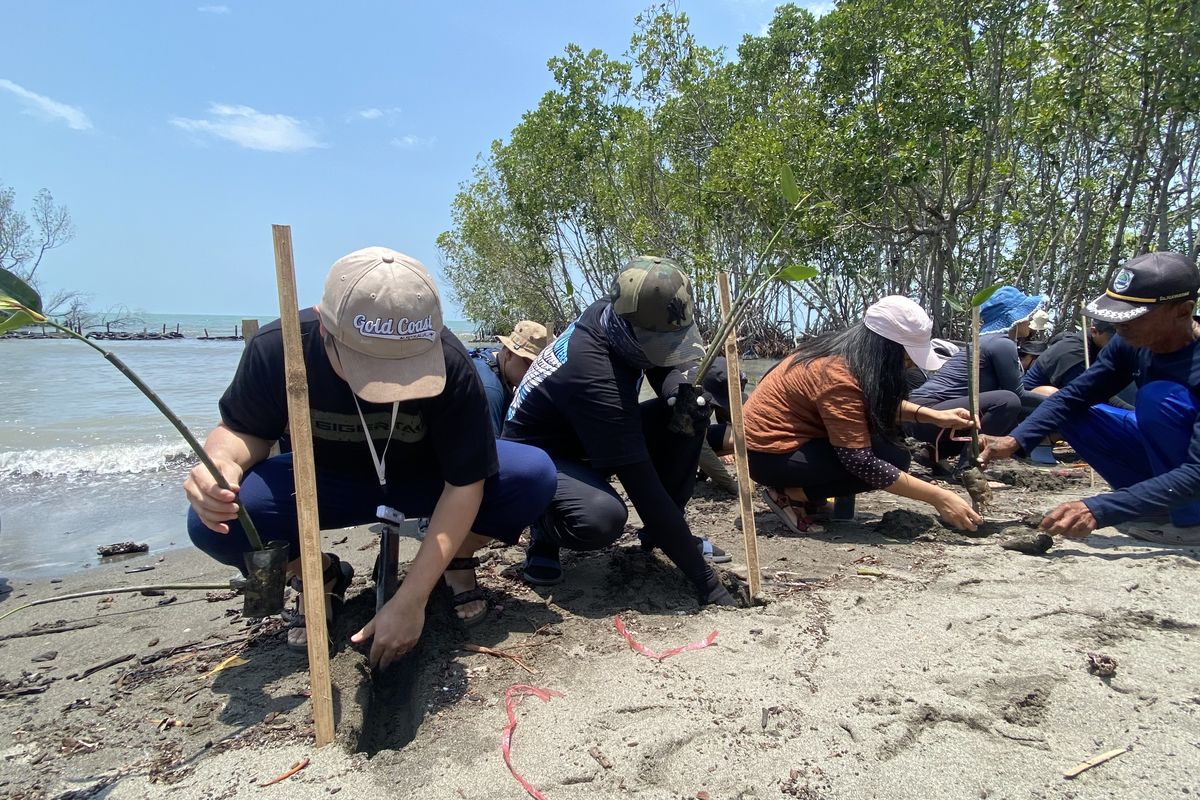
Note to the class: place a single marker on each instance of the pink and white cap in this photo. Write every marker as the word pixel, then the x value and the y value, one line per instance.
pixel 900 320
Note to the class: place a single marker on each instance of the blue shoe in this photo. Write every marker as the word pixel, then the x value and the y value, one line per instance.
pixel 1043 454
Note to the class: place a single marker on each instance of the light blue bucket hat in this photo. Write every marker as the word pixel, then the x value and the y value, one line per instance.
pixel 1006 307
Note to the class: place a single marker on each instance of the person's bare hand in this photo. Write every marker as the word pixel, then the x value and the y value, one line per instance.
pixel 952 418
pixel 957 512
pixel 214 506
pixel 393 631
pixel 997 448
pixel 1072 519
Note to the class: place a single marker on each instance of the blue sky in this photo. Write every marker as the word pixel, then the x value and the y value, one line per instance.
pixel 177 133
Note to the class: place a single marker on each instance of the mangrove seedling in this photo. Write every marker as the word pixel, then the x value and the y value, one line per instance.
pixel 21 305
pixel 682 420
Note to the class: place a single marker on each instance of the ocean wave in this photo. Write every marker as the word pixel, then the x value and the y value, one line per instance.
pixel 58 462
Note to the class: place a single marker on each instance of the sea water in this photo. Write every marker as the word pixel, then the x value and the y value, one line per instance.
pixel 85 459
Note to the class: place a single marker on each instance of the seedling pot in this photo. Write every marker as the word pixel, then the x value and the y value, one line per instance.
pixel 266 573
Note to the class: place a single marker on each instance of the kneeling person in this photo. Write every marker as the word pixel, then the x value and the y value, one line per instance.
pixel 500 371
pixel 579 402
pixel 398 418
pixel 825 422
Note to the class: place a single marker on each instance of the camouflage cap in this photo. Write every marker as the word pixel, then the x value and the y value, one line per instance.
pixel 654 295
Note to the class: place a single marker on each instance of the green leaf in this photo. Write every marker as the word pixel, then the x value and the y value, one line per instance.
pixel 787 182
pixel 16 290
pixel 796 273
pixel 983 296
pixel 15 320
pixel 954 304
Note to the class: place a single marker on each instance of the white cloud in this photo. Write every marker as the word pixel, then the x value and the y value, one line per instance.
pixel 39 105
pixel 372 114
pixel 253 129
pixel 214 9
pixel 411 142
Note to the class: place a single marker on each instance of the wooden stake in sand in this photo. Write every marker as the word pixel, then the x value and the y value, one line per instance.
pixel 304 470
pixel 734 371
pixel 1087 364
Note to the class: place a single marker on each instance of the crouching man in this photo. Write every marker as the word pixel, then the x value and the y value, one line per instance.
pixel 1149 455
pixel 398 418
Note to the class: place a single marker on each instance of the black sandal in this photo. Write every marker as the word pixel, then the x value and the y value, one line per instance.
pixel 336 578
pixel 460 599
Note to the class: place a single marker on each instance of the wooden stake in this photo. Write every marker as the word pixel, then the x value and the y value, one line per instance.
pixel 1087 364
pixel 304 471
pixel 249 328
pixel 973 385
pixel 734 370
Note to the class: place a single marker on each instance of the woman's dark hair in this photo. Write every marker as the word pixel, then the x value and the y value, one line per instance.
pixel 875 362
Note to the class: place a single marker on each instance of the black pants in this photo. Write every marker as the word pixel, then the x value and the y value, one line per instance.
pixel 999 411
pixel 588 514
pixel 817 470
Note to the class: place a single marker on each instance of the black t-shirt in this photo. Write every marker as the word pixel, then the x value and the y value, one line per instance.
pixel 579 400
pixel 1061 363
pixel 447 436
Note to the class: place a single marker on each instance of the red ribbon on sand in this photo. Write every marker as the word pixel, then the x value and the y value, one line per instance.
pixel 512 698
pixel 638 647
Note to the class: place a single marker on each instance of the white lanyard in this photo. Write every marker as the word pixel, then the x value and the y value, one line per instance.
pixel 378 461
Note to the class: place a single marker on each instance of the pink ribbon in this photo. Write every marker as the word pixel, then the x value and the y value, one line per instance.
pixel 638 647
pixel 513 696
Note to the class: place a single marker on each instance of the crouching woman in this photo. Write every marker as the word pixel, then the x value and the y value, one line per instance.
pixel 825 422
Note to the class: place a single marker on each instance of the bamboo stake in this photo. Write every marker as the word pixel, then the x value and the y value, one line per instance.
pixel 973 396
pixel 1087 364
pixel 734 371
pixel 304 472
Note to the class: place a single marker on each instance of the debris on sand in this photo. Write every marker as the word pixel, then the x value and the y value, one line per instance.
pixel 1033 520
pixel 1102 665
pixel 1037 479
pixel 900 523
pixel 122 548
pixel 1094 761
pixel 1034 544
pixel 292 770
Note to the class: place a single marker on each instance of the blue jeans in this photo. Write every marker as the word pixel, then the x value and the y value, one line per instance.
pixel 512 498
pixel 1128 447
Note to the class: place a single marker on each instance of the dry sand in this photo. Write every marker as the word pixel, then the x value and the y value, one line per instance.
pixel 960 671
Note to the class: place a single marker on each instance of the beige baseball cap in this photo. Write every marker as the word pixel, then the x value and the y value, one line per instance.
pixel 528 339
pixel 384 313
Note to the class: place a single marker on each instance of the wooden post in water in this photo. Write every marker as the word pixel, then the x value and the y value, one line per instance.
pixel 304 471
pixel 734 371
pixel 249 328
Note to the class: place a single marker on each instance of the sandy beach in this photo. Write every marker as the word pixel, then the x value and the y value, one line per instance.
pixel 940 666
